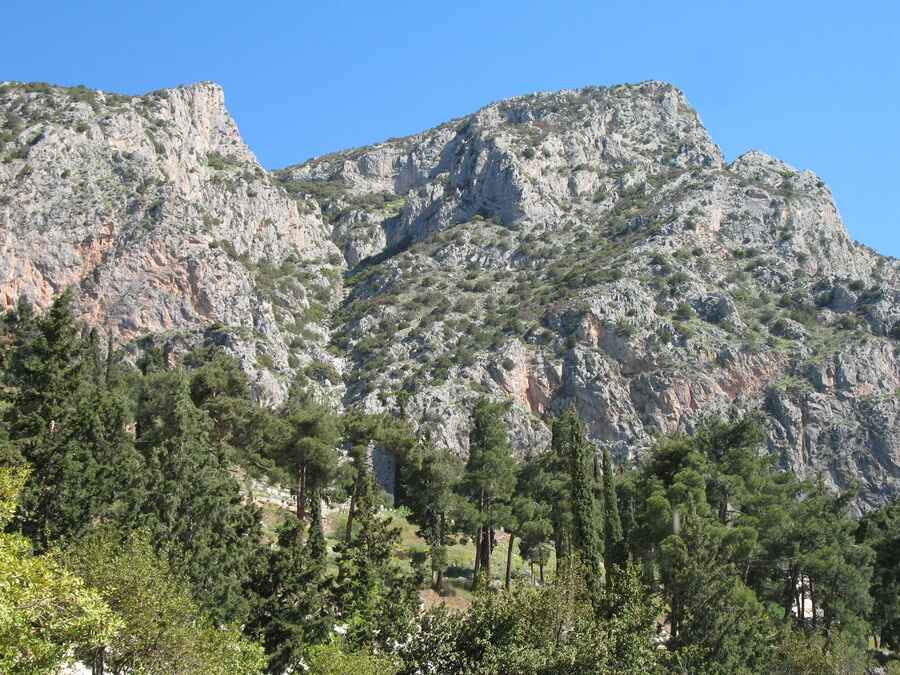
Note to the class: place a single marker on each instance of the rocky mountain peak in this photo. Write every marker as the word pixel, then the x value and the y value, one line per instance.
pixel 585 247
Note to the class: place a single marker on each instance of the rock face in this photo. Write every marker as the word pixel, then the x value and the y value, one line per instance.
pixel 588 248
pixel 158 213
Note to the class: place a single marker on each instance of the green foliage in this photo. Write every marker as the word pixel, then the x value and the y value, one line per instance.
pixel 714 514
pixel 718 625
pixel 881 531
pixel 800 653
pixel 332 659
pixel 46 611
pixel 489 479
pixel 587 538
pixel 195 507
pixel 612 523
pixel 431 478
pixel 220 162
pixel 751 569
pixel 547 629
pixel 375 599
pixel 294 611
pixel 309 449
pixel 67 420
pixel 163 630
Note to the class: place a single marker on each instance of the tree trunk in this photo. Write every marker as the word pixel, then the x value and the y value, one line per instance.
pixel 812 600
pixel 803 597
pixel 486 552
pixel 439 571
pixel 477 567
pixel 674 616
pixel 301 493
pixel 509 552
pixel 98 667
pixel 352 510
pixel 790 588
pixel 541 566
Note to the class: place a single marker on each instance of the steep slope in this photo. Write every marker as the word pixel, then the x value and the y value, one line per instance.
pixel 587 248
pixel 155 210
pixel 592 248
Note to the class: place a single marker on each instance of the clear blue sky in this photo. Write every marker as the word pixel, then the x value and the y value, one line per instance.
pixel 814 83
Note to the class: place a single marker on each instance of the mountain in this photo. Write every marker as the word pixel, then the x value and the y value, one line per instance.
pixel 589 248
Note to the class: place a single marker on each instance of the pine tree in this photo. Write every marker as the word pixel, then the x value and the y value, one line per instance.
pixel 431 476
pixel 489 480
pixel 360 432
pixel 363 433
pixel 533 527
pixel 881 530
pixel 309 452
pixel 714 617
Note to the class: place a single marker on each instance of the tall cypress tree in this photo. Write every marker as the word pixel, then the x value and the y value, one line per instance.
pixel 294 611
pixel 612 523
pixel 193 506
pixel 372 597
pixel 69 423
pixel 587 536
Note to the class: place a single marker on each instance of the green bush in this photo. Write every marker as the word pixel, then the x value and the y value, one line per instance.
pixel 333 660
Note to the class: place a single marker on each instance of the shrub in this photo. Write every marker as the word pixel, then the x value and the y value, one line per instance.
pixel 334 660
pixel 219 162
pixel 895 331
pixel 685 312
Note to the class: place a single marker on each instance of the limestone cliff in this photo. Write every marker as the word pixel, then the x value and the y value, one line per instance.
pixel 589 248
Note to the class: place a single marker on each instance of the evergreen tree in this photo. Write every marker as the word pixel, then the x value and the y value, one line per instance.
pixel 431 476
pixel 612 524
pixel 587 539
pixel 373 599
pixel 310 451
pixel 543 509
pixel 881 531
pixel 534 528
pixel 717 623
pixel 827 559
pixel 362 434
pixel 69 422
pixel 18 329
pixel 245 428
pixel 489 479
pixel 193 506
pixel 294 611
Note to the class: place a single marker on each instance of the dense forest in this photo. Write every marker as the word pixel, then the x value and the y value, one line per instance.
pixel 132 543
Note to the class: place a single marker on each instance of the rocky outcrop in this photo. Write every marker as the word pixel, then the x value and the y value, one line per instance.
pixel 592 248
pixel 588 248
pixel 160 217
